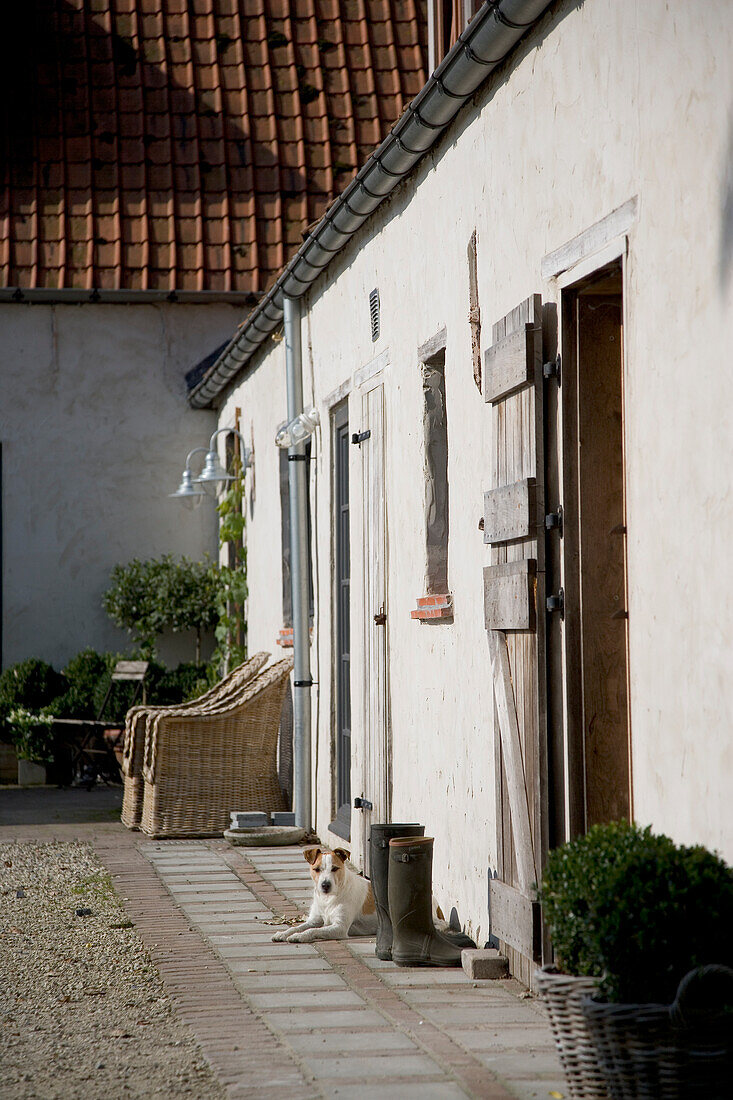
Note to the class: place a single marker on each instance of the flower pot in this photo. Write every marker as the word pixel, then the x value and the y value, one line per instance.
pixel 682 1051
pixel 563 995
pixel 30 774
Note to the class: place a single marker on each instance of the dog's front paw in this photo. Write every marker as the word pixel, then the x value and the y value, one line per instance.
pixel 302 937
pixel 279 937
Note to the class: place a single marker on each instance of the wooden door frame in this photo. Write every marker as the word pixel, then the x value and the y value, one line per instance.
pixel 366 380
pixel 341 824
pixel 566 708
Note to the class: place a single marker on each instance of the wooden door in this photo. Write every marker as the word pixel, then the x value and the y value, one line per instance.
pixel 374 798
pixel 594 632
pixel 514 603
pixel 343 617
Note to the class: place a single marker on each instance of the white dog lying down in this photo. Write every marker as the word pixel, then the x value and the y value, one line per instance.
pixel 343 904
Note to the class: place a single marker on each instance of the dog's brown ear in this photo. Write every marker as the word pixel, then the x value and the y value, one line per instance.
pixel 341 853
pixel 311 854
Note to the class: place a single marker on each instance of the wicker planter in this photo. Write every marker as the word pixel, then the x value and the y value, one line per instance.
pixel 682 1051
pixel 563 995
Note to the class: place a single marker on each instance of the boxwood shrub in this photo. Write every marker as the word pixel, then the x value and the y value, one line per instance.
pixel 637 910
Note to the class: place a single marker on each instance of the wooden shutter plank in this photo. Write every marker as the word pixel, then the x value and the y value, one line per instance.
pixel 512 752
pixel 515 919
pixel 511 362
pixel 509 511
pixel 509 595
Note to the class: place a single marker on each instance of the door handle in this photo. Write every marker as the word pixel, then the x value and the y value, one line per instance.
pixel 380 618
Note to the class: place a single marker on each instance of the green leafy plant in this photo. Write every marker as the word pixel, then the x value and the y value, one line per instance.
pixel 31 735
pixel 231 628
pixel 637 910
pixel 148 597
pixel 31 684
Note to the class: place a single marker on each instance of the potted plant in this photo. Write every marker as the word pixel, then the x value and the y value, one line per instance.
pixel 574 873
pixel 33 742
pixel 650 921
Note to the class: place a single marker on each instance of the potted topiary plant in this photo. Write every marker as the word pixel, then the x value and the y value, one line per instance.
pixel 573 875
pixel 33 742
pixel 650 921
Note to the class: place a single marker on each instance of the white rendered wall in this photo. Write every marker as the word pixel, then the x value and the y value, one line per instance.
pixel 604 102
pixel 95 428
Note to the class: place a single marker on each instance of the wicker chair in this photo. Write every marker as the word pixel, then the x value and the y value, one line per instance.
pixel 199 767
pixel 136 723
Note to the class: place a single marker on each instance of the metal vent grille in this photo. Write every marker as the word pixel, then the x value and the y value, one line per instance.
pixel 374 314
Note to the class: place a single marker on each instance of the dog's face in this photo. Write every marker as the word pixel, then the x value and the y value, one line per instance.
pixel 327 868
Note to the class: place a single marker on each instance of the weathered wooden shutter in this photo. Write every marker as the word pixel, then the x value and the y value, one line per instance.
pixel 514 605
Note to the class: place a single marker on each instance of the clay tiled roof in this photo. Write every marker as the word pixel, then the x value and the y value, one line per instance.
pixel 184 145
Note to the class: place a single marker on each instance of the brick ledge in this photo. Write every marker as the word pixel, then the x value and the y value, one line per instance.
pixel 434 608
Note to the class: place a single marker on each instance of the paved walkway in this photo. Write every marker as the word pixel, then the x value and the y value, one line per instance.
pixel 305 1021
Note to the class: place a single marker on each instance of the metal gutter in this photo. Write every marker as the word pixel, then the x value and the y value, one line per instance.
pixel 484 44
pixel 69 296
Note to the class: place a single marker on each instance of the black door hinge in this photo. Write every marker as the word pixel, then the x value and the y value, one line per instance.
pixel 551 369
pixel 553 521
pixel 362 804
pixel 556 603
pixel 359 437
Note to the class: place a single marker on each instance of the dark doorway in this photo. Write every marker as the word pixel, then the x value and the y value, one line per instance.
pixel 342 581
pixel 593 549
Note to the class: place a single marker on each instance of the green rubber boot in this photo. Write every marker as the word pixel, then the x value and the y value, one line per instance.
pixel 379 838
pixel 415 939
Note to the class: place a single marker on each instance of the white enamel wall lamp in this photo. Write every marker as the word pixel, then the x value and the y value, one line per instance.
pixel 214 478
pixel 189 495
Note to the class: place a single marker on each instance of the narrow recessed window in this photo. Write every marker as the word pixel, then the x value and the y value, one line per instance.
pixel 436 476
pixel 436 601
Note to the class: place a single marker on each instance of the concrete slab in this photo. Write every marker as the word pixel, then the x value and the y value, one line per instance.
pixel 283 983
pixel 301 999
pixel 421 1090
pixel 309 965
pixel 363 1066
pixel 373 1042
pixel 311 1023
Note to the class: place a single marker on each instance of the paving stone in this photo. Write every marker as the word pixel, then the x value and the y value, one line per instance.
pixel 524 1063
pixel 363 1066
pixel 269 965
pixel 539 1090
pixel 420 1090
pixel 236 946
pixel 421 976
pixel 276 983
pixel 372 1042
pixel 504 1037
pixel 301 999
pixel 317 1022
pixel 455 1016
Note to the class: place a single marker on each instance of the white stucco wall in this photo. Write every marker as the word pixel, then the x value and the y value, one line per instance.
pixel 604 102
pixel 95 429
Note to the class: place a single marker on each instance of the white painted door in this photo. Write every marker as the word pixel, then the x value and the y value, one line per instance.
pixel 375 724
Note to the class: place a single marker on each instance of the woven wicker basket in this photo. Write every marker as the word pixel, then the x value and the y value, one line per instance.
pixel 682 1051
pixel 198 767
pixel 136 726
pixel 563 995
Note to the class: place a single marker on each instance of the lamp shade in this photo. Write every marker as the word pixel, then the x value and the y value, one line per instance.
pixel 213 478
pixel 187 493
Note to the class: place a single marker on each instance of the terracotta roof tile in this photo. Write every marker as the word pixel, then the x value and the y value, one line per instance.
pixel 186 144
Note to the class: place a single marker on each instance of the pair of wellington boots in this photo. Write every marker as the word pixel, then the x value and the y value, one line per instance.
pixel 402 884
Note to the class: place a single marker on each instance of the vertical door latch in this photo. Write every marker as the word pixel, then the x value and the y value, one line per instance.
pixel 553 521
pixel 556 603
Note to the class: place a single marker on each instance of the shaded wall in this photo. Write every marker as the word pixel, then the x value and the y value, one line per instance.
pixel 95 428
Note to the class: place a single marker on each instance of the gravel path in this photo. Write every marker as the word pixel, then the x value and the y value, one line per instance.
pixel 83 1013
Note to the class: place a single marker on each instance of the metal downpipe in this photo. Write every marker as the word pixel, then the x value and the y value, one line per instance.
pixel 298 492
